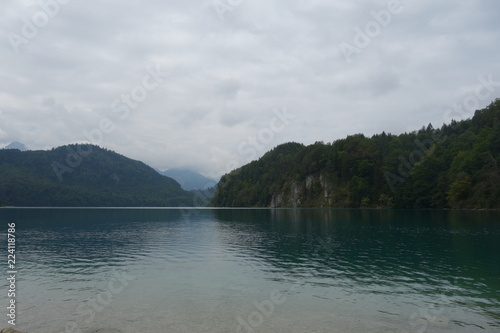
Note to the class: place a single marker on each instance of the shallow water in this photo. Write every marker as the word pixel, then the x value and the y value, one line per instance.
pixel 252 270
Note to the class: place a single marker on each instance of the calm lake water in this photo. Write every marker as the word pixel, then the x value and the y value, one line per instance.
pixel 250 270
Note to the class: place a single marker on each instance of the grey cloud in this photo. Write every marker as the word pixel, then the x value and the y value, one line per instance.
pixel 226 76
pixel 49 102
pixel 232 117
pixel 228 89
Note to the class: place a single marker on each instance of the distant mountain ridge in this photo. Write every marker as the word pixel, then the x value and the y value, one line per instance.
pixel 16 145
pixel 456 166
pixel 189 180
pixel 84 175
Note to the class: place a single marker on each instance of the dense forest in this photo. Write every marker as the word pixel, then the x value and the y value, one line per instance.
pixel 83 175
pixel 455 166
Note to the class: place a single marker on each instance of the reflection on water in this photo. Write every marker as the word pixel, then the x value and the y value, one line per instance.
pixel 212 270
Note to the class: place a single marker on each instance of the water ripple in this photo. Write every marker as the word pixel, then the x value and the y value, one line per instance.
pixel 388 264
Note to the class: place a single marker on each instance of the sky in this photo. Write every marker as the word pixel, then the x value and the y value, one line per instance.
pixel 211 85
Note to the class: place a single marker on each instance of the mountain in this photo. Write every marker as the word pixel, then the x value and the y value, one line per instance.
pixel 456 166
pixel 83 175
pixel 17 145
pixel 189 180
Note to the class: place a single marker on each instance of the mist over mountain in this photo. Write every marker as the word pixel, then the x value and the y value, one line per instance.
pixel 189 180
pixel 16 145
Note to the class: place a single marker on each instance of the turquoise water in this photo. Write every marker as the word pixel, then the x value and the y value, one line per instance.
pixel 226 270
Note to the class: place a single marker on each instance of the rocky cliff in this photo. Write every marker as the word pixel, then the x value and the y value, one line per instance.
pixel 313 191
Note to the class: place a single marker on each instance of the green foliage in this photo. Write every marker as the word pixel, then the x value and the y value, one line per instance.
pixel 88 176
pixel 455 166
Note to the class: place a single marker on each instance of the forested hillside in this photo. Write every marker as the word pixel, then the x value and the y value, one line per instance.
pixel 83 175
pixel 455 166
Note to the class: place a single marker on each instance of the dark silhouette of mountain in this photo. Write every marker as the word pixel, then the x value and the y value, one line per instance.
pixel 189 180
pixel 456 166
pixel 84 175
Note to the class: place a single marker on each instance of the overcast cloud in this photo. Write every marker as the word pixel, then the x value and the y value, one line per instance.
pixel 211 84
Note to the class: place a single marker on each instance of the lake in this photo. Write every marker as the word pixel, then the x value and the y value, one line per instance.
pixel 254 270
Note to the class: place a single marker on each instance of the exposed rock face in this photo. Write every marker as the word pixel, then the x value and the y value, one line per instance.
pixel 276 200
pixel 296 194
pixel 314 190
pixel 324 185
pixel 309 182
